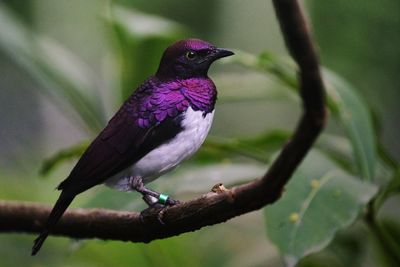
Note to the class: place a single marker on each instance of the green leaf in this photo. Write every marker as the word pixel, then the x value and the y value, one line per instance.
pixel 352 112
pixel 317 202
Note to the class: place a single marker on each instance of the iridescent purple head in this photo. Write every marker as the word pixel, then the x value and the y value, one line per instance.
pixel 189 58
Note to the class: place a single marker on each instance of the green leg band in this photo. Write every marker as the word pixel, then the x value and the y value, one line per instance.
pixel 162 199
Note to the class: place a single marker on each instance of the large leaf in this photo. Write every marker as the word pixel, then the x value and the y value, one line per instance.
pixel 317 202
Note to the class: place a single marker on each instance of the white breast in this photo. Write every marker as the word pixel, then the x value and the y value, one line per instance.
pixel 169 155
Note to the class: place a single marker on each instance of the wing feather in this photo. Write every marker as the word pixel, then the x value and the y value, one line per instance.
pixel 132 133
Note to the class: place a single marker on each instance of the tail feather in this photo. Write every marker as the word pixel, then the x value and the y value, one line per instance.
pixel 39 242
pixel 58 210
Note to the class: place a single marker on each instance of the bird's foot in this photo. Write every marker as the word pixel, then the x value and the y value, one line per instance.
pixel 136 183
pixel 149 196
pixel 172 202
pixel 157 206
pixel 157 202
pixel 146 215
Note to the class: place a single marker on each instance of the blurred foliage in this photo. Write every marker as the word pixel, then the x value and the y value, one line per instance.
pixel 343 182
pixel 141 39
pixel 360 40
pixel 63 76
pixel 343 102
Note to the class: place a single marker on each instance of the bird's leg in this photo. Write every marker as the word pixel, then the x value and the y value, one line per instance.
pixel 157 202
pixel 149 196
pixel 150 200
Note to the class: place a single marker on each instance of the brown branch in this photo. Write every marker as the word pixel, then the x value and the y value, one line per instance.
pixel 211 208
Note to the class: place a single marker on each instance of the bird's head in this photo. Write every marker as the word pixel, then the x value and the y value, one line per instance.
pixel 189 58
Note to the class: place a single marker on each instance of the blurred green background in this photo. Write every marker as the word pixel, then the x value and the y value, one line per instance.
pixel 67 65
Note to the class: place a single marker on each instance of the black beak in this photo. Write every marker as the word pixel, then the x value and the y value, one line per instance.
pixel 220 53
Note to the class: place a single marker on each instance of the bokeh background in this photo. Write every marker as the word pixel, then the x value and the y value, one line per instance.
pixel 357 39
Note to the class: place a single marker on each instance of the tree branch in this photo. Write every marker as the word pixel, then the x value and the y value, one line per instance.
pixel 214 207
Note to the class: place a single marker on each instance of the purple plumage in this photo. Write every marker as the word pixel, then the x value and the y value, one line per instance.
pixel 163 123
pixel 156 100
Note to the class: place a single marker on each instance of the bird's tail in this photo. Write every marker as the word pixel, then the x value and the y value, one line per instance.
pixel 58 210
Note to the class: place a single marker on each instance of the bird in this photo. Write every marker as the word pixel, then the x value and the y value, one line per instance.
pixel 163 122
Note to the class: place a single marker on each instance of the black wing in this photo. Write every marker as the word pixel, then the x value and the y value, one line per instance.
pixel 144 122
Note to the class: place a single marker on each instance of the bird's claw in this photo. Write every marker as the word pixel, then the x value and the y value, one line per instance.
pixel 147 214
pixel 158 208
pixel 172 202
pixel 136 182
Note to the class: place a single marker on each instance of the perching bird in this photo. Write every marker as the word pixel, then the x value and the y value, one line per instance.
pixel 162 123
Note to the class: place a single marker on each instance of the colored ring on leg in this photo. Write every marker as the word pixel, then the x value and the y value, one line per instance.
pixel 162 199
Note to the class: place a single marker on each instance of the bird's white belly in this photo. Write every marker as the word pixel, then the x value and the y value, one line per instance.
pixel 167 156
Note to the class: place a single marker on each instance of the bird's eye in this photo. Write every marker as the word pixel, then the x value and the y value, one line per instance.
pixel 191 55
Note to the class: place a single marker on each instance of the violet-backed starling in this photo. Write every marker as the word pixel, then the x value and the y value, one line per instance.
pixel 162 123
